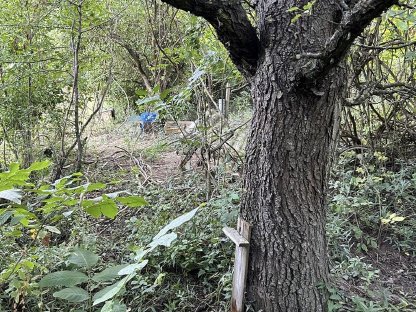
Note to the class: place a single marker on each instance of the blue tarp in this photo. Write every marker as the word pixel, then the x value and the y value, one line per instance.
pixel 148 117
pixel 144 118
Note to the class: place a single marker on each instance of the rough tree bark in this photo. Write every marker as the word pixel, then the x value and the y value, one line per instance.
pixel 296 76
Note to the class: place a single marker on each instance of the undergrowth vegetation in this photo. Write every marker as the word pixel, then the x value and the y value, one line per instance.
pixel 102 211
pixel 370 237
pixel 371 232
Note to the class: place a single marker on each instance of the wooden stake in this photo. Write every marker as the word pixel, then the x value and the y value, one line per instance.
pixel 227 99
pixel 233 234
pixel 241 237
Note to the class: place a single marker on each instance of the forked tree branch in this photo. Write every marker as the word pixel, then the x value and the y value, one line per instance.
pixel 232 25
pixel 136 59
pixel 352 24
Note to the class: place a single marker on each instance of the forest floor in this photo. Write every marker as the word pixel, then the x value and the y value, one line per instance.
pixel 382 279
pixel 123 146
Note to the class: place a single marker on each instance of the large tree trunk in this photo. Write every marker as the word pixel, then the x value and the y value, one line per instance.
pixel 286 167
pixel 295 70
pixel 287 161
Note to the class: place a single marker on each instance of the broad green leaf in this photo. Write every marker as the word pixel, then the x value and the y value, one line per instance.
pixel 402 25
pixel 293 9
pixel 53 199
pixel 295 18
pixel 68 213
pixel 14 177
pixel 364 247
pixel 156 89
pixel 83 258
pixel 109 195
pixel 70 202
pixel 109 273
pixel 4 216
pixel 42 188
pixel 133 268
pixel 24 221
pixel 60 183
pixel 52 229
pixel 15 233
pixel 75 190
pixel 95 186
pixel 148 100
pixel 12 195
pixel 132 201
pixel 36 166
pixel 165 240
pixel 141 92
pixel 159 279
pixel 24 212
pixel 309 5
pixel 385 221
pixel 28 264
pixel 72 294
pixel 16 220
pixel 165 93
pixel 397 219
pixel 110 291
pixel 111 306
pixel 63 278
pixel 14 167
pixel 94 211
pixel 176 222
pixel 141 253
pixel 109 208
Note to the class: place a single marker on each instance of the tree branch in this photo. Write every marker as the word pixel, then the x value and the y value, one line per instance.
pixel 367 91
pixel 136 59
pixel 387 46
pixel 232 26
pixel 352 24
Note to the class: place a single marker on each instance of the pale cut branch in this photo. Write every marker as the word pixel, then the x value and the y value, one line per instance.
pixel 351 26
pixel 233 27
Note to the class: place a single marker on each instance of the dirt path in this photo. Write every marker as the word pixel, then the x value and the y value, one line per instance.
pixel 122 147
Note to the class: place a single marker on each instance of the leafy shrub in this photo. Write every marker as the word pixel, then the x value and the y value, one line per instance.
pixel 32 219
